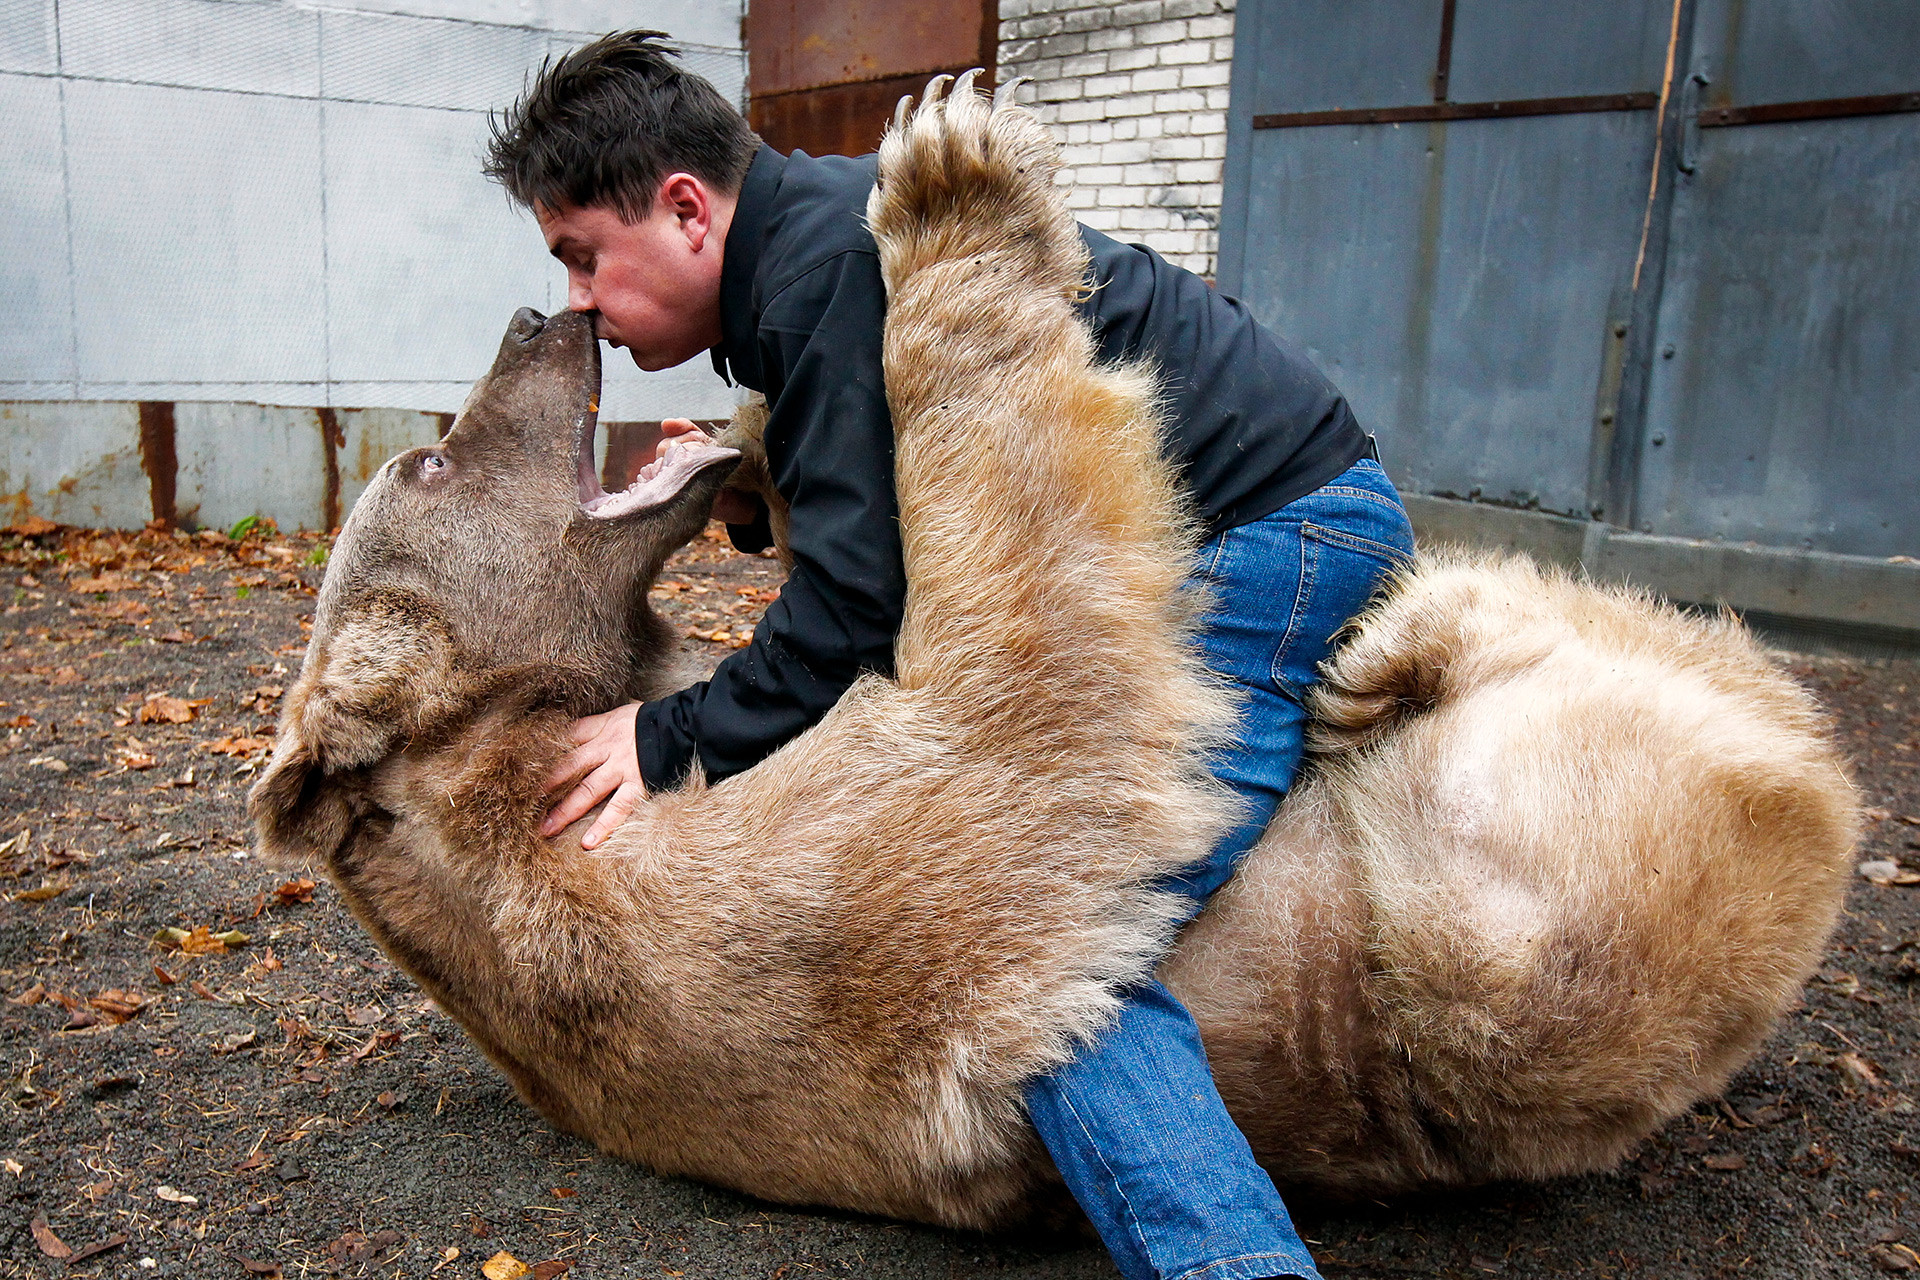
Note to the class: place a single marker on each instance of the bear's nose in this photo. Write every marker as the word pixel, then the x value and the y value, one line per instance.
pixel 526 325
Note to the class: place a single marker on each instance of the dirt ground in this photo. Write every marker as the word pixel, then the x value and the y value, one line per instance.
pixel 181 1100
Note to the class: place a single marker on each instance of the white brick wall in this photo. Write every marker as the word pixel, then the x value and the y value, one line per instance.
pixel 1137 93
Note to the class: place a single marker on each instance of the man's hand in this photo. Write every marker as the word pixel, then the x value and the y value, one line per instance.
pixel 731 506
pixel 603 750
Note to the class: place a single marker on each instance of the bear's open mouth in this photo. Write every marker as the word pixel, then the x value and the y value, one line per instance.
pixel 658 483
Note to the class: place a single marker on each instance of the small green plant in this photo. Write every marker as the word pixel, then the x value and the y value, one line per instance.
pixel 243 526
pixel 243 592
pixel 318 555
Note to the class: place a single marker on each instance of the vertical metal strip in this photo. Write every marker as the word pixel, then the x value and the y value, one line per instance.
pixel 1443 65
pixel 160 459
pixel 331 439
pixel 1615 494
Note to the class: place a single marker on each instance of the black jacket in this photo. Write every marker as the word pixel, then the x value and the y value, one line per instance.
pixel 1250 422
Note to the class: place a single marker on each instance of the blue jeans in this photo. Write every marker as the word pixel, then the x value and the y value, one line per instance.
pixel 1134 1123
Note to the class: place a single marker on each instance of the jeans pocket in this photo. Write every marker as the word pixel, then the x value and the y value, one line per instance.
pixel 1339 572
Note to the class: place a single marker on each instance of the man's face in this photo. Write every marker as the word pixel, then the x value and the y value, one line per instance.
pixel 655 282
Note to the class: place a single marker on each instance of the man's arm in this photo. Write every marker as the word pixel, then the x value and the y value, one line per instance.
pixel 830 449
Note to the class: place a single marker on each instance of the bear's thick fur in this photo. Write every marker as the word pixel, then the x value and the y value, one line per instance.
pixel 1562 853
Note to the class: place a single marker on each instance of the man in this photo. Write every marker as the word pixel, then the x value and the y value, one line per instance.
pixel 685 234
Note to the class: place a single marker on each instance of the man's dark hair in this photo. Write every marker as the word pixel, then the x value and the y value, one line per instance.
pixel 605 124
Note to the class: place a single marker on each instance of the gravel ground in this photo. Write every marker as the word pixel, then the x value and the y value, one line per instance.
pixel 290 1104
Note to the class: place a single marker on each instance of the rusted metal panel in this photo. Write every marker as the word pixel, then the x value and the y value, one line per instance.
pixel 813 44
pixel 824 76
pixel 839 120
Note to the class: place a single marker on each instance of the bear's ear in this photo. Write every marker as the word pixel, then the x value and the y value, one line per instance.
pixel 380 678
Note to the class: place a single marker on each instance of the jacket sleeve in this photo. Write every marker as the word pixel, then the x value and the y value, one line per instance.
pixel 829 443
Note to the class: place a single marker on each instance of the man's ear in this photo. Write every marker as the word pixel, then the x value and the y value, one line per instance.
pixel 381 678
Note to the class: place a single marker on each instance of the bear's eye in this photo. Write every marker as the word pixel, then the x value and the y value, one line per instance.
pixel 432 463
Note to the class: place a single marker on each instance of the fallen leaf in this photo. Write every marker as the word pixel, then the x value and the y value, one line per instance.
pixel 21 721
pixel 48 889
pixel 108 581
pixel 293 891
pixel 166 979
pixel 235 1042
pixel 174 1196
pixel 65 675
pixel 50 1244
pixel 160 708
pixel 366 1016
pixel 13 1166
pixel 388 1099
pixel 32 526
pixel 258 1160
pixel 271 1270
pixel 1893 1259
pixel 97 1248
pixel 450 1255
pixel 1727 1163
pixel 1860 1068
pixel 237 747
pixel 175 636
pixel 97 1191
pixel 200 940
pixel 53 764
pixel 1878 870
pixel 32 995
pixel 478 1226
pixel 202 990
pixel 550 1268
pixel 565 1193
pixel 504 1266
pixel 119 1005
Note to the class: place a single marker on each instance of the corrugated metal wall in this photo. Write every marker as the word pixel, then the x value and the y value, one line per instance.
pixel 281 202
pixel 1552 276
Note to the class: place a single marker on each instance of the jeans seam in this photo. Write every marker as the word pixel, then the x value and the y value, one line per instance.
pixel 1309 570
pixel 1202 1269
pixel 1347 491
pixel 1353 541
pixel 1133 1219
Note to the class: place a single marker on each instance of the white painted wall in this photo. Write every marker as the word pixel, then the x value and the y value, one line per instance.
pixel 1137 93
pixel 280 201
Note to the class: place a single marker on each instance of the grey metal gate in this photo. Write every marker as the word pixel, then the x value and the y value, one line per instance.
pixel 1651 262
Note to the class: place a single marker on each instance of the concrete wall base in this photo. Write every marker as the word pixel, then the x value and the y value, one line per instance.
pixel 1807 600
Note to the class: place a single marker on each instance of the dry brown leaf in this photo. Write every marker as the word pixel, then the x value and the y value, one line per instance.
pixel 240 747
pixel 366 1016
pixel 21 721
pixel 293 891
pixel 504 1266
pixel 1859 1068
pixel 200 941
pixel 271 1270
pixel 550 1268
pixel 202 990
pixel 108 581
pixel 48 889
pixel 166 979
pixel 97 1248
pixel 32 995
pixel 32 526
pixel 119 1005
pixel 161 708
pixel 1726 1163
pixel 50 1244
pixel 565 1193
pixel 64 676
pixel 236 1042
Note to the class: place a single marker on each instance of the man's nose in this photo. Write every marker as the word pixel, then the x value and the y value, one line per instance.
pixel 579 296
